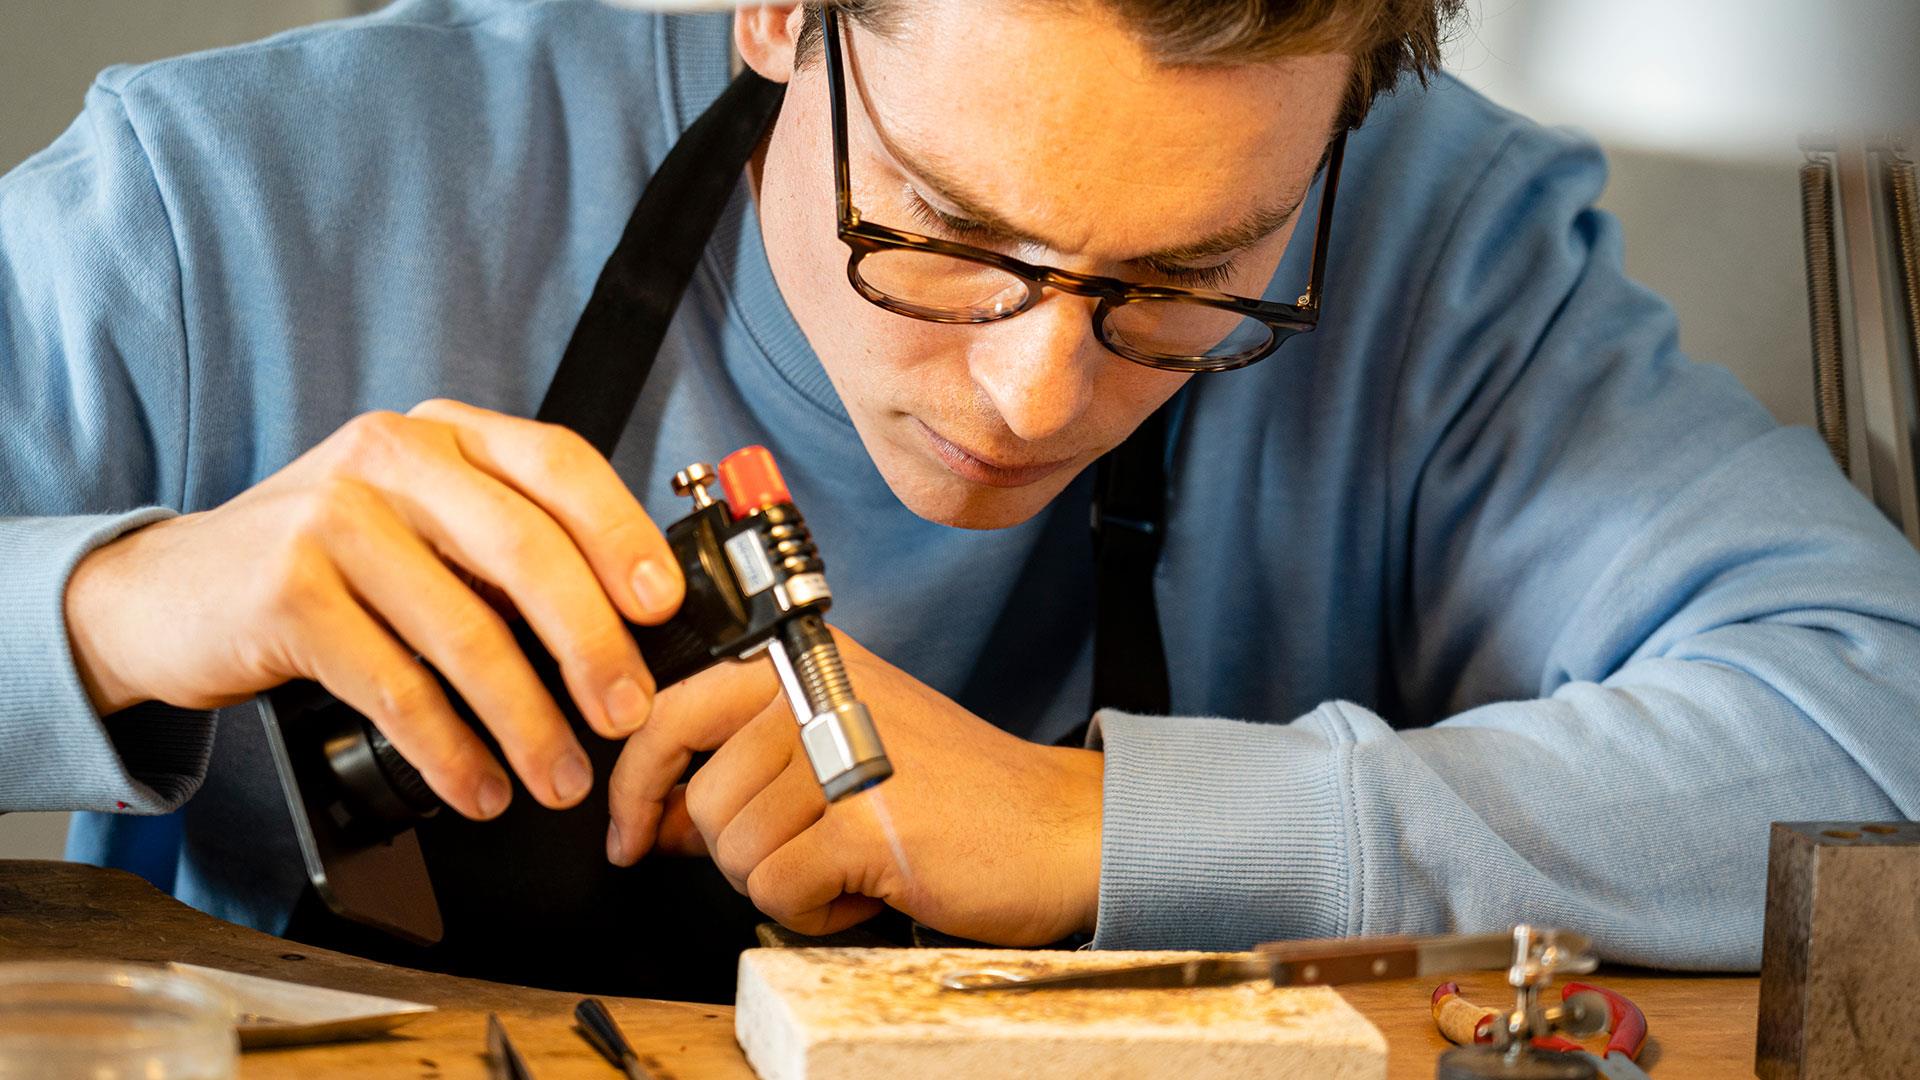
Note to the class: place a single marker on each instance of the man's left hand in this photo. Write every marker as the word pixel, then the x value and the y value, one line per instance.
pixel 978 833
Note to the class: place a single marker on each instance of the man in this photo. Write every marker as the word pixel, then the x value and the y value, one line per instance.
pixel 1480 602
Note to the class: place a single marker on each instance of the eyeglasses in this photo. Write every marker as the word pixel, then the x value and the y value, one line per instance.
pixel 1160 326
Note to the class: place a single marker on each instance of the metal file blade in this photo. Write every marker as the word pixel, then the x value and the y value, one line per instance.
pixel 1284 963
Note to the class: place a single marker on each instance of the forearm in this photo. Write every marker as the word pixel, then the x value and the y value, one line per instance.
pixel 1222 833
pixel 94 420
pixel 1636 811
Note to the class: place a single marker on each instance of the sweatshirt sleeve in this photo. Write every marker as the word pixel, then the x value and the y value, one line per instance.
pixel 93 438
pixel 1642 621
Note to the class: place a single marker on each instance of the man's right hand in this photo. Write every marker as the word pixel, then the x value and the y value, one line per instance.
pixel 357 557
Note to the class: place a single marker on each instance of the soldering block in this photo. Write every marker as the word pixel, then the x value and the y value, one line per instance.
pixel 838 1014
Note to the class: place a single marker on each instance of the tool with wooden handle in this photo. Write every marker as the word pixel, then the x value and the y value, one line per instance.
pixel 1329 962
pixel 1460 1020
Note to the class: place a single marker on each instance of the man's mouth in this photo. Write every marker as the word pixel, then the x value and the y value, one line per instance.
pixel 970 466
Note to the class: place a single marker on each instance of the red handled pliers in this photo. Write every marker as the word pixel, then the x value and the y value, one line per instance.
pixel 1463 1022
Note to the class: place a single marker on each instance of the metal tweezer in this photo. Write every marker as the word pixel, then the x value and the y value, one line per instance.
pixel 503 1061
pixel 1284 963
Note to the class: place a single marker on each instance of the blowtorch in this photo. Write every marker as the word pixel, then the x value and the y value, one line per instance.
pixel 755 583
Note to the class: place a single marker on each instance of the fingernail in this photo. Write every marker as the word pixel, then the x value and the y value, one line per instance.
pixel 494 794
pixel 627 706
pixel 572 776
pixel 613 842
pixel 653 584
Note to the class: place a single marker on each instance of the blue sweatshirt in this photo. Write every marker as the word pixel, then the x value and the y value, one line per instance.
pixel 1482 603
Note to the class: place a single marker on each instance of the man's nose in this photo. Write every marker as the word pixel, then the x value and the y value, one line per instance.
pixel 1039 367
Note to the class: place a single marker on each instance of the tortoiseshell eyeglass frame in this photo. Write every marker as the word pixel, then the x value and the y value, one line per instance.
pixel 864 238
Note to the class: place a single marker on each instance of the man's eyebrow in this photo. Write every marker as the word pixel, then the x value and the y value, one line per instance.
pixel 1256 227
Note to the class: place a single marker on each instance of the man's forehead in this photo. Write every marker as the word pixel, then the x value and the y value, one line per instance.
pixel 1057 121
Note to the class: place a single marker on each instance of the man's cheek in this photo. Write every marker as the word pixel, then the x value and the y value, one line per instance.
pixel 897 366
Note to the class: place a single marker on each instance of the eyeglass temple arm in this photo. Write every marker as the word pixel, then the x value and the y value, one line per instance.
pixel 1324 230
pixel 837 102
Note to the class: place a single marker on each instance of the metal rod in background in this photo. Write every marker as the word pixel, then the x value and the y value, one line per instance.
pixel 1886 403
pixel 1823 308
pixel 1903 198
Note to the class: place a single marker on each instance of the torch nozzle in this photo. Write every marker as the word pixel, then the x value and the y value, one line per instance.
pixel 836 730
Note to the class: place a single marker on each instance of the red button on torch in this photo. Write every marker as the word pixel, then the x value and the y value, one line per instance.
pixel 752 481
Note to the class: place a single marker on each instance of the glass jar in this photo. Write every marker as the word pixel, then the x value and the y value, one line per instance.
pixel 61 1021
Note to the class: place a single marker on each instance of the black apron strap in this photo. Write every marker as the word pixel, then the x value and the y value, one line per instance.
pixel 529 897
pixel 1129 520
pixel 619 334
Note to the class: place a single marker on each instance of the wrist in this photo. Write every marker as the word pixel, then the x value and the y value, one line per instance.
pixel 91 609
pixel 1087 774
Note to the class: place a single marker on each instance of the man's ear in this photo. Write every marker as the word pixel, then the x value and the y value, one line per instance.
pixel 765 34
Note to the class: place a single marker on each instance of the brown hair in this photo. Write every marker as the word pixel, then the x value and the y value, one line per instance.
pixel 1386 38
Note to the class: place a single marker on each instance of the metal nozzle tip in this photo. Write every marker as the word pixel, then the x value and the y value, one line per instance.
pixel 857 779
pixel 845 750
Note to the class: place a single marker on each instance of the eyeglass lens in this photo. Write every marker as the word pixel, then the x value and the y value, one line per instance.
pixel 931 285
pixel 943 287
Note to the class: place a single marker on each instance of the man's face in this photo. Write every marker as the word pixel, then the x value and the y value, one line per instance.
pixel 1050 122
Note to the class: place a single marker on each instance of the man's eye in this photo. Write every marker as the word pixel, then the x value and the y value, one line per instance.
pixel 930 218
pixel 1191 277
pixel 1197 277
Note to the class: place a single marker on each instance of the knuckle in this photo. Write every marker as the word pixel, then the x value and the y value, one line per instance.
pixel 729 855
pixel 770 899
pixel 295 585
pixel 633 532
pixel 522 543
pixel 603 647
pixel 703 789
pixel 335 504
pixel 560 454
pixel 407 697
pixel 476 632
pixel 370 438
pixel 699 793
pixel 518 560
pixel 434 407
pixel 465 758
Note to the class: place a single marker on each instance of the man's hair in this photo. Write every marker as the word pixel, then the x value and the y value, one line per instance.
pixel 1386 38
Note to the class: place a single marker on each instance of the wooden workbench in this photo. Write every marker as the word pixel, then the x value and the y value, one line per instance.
pixel 1702 1028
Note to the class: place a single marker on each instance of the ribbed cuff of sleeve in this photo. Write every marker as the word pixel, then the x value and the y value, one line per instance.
pixel 59 753
pixel 1218 834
